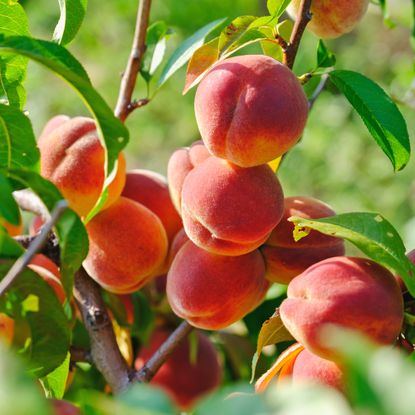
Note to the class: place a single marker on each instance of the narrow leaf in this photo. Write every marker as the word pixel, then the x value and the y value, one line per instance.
pixel 113 134
pixel 379 113
pixel 8 206
pixel 9 248
pixel 13 21
pixel 71 18
pixel 325 58
pixel 185 51
pixel 277 7
pixel 17 141
pixel 372 234
pixel 234 31
pixel 55 382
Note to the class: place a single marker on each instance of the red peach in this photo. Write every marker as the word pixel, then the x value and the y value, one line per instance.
pixel 250 109
pixel 355 293
pixel 213 291
pixel 285 258
pixel 61 407
pixel 229 210
pixel 127 245
pixel 184 380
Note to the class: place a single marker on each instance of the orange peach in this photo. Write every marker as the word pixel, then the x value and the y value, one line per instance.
pixel 213 291
pixel 6 328
pixel 181 162
pixel 184 380
pixel 229 210
pixel 72 158
pixel 250 109
pixel 127 245
pixel 151 190
pixel 354 293
pixel 332 18
pixel 12 230
pixel 179 240
pixel 286 258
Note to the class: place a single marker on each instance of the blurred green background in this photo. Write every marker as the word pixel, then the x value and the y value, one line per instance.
pixel 337 160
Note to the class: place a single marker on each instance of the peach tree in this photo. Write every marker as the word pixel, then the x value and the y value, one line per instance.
pixel 122 291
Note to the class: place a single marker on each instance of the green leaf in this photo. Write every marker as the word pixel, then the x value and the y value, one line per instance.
pixel 144 318
pixel 13 21
pixel 379 113
pixel 8 206
pixel 17 141
pixel 113 134
pixel 55 382
pixel 185 51
pixel 71 18
pixel 9 248
pixel 233 33
pixel 155 49
pixel 371 233
pixel 325 58
pixel 277 7
pixel 73 239
pixel 50 335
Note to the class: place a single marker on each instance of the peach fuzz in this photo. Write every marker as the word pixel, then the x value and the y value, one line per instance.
pixel 332 18
pixel 354 293
pixel 127 245
pixel 229 210
pixel 6 329
pixel 250 109
pixel 213 291
pixel 285 258
pixel 181 162
pixel 182 379
pixel 151 190
pixel 73 159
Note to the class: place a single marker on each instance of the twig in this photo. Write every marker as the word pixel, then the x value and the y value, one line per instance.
pixel 318 91
pixel 27 200
pixel 124 104
pixel 281 41
pixel 303 17
pixel 150 368
pixel 104 350
pixel 80 355
pixel 19 266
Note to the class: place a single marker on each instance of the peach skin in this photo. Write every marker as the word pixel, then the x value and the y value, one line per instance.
pixel 184 380
pixel 6 329
pixel 332 18
pixel 72 158
pixel 250 109
pixel 127 245
pixel 229 210
pixel 213 291
pixel 286 258
pixel 354 293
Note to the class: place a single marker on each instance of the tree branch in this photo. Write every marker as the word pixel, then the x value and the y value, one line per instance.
pixel 124 104
pixel 104 349
pixel 19 266
pixel 150 368
pixel 301 22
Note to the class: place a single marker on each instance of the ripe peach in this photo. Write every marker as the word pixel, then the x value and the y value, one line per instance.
pixel 286 258
pixel 6 328
pixel 250 109
pixel 184 380
pixel 332 18
pixel 72 158
pixel 151 190
pixel 36 225
pixel 213 291
pixel 127 245
pixel 181 162
pixel 229 210
pixel 355 293
pixel 179 240
pixel 61 407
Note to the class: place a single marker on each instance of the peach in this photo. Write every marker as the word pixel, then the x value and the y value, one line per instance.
pixel 151 190
pixel 36 225
pixel 355 293
pixel 72 158
pixel 179 240
pixel 332 18
pixel 213 291
pixel 286 258
pixel 6 328
pixel 12 230
pixel 250 109
pixel 181 162
pixel 183 379
pixel 127 245
pixel 61 407
pixel 229 210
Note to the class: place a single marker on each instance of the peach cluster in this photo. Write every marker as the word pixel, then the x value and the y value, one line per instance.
pixel 350 292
